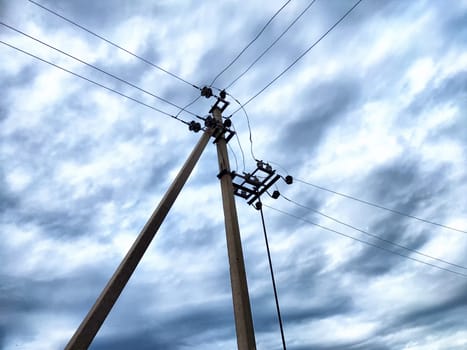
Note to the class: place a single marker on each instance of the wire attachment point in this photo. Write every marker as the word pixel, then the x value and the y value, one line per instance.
pixel 194 126
pixel 288 179
pixel 206 92
pixel 220 129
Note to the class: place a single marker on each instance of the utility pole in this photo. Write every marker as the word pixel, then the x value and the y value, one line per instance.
pixel 241 300
pixel 104 303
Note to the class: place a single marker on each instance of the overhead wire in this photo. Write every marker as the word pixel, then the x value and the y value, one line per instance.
pixel 271 270
pixel 371 234
pixel 301 56
pixel 93 82
pixel 113 44
pixel 249 126
pixel 99 69
pixel 184 108
pixel 379 206
pixel 366 242
pixel 234 155
pixel 239 145
pixel 250 43
pixel 271 45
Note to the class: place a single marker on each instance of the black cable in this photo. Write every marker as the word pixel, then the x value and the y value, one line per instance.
pixel 93 82
pixel 249 127
pixel 301 56
pixel 249 44
pixel 99 69
pixel 372 235
pixel 382 207
pixel 367 243
pixel 239 145
pixel 234 155
pixel 188 105
pixel 114 44
pixel 279 317
pixel 271 45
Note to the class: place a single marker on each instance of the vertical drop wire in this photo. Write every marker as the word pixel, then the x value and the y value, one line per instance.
pixel 272 277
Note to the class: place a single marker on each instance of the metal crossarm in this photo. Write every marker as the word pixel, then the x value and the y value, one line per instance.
pixel 253 185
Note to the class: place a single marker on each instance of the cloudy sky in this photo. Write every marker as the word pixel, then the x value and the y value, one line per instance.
pixel 376 110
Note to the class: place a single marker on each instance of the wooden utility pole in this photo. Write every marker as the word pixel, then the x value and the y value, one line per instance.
pixel 241 299
pixel 104 303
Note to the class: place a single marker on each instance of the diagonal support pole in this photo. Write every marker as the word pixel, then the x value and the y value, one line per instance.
pixel 106 300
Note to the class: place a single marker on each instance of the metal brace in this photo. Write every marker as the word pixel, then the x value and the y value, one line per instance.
pixel 255 184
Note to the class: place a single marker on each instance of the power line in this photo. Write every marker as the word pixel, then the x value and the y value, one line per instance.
pixel 367 243
pixel 301 56
pixel 93 82
pixel 373 235
pixel 188 105
pixel 99 69
pixel 276 298
pixel 251 42
pixel 381 207
pixel 249 126
pixel 234 155
pixel 113 44
pixel 271 45
pixel 239 145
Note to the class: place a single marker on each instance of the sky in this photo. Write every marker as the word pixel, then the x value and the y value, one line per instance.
pixel 375 110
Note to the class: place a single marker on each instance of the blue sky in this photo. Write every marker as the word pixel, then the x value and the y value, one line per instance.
pixel 376 110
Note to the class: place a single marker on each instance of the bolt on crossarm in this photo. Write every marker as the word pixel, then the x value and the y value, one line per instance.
pixel 109 295
pixel 241 300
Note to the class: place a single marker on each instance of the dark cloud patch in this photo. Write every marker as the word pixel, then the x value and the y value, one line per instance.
pixel 342 345
pixel 265 315
pixel 213 61
pixel 24 298
pixel 199 323
pixel 8 200
pixel 453 301
pixel 99 15
pixel 3 331
pixel 287 223
pixel 201 319
pixel 132 73
pixel 455 28
pixel 4 112
pixel 404 186
pixel 334 9
pixel 60 223
pixel 197 238
pixel 450 91
pixel 157 170
pixel 141 340
pixel 453 88
pixel 21 78
pixel 333 306
pixel 372 261
pixel 327 102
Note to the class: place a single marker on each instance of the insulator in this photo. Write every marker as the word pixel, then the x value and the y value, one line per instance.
pixel 227 123
pixel 275 194
pixel 194 126
pixel 206 92
pixel 209 122
pixel 288 180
